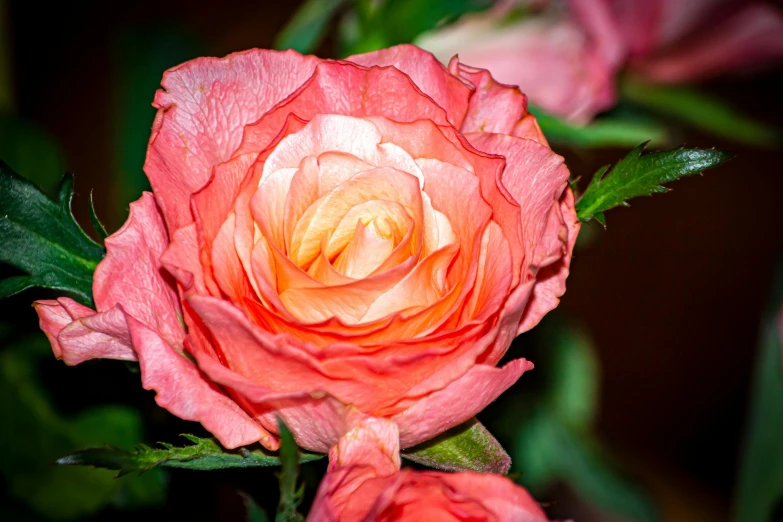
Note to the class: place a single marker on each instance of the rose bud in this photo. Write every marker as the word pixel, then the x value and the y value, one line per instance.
pixel 364 483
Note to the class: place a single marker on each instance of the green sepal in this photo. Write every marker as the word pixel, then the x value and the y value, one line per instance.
pixel 469 446
pixel 96 222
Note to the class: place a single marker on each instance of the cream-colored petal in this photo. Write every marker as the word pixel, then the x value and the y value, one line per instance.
pixel 325 214
pixel 419 289
pixel 392 212
pixel 367 251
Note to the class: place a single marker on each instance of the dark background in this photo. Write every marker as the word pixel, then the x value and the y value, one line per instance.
pixel 672 292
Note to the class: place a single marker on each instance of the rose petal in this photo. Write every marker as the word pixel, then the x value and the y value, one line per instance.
pixel 458 402
pixel 427 73
pixel 316 420
pixel 78 334
pixel 202 110
pixel 343 88
pixel 182 390
pixel 131 273
pixel 494 107
pixel 536 178
pixel 371 442
pixel 551 279
pixel 181 259
pixel 497 494
pixel 229 272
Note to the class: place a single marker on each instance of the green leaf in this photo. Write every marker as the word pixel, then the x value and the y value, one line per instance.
pixel 34 434
pixel 203 454
pixel 603 132
pixel 96 223
pixel 760 479
pixel 700 111
pixel 307 28
pixel 548 451
pixel 290 497
pixel 640 174
pixel 253 511
pixel 42 238
pixel 469 446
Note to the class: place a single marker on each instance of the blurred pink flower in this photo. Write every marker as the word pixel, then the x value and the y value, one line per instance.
pixel 566 57
pixel 675 41
pixel 550 56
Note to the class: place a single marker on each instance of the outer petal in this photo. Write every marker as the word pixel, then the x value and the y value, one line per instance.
pixel 316 420
pixel 494 107
pixel 203 108
pixel 372 442
pixel 498 495
pixel 181 259
pixel 551 279
pixel 183 391
pixel 352 90
pixel 427 73
pixel 457 402
pixel 78 334
pixel 537 178
pixel 131 273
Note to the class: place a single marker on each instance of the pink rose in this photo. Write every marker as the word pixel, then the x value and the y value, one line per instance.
pixel 672 41
pixel 326 238
pixel 364 483
pixel 568 60
pixel 548 55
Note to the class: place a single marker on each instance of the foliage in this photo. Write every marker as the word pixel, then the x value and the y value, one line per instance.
pixel 469 446
pixel 640 174
pixel 34 434
pixel 41 237
pixel 760 481
pixel 701 111
pixel 203 454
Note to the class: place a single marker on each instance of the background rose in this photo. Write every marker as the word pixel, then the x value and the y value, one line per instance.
pixel 278 181
pixel 364 482
pixel 567 58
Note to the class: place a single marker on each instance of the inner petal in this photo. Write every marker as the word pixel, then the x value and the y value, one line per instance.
pixel 391 213
pixel 324 215
pixel 370 247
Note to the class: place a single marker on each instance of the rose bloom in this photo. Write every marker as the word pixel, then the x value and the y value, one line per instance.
pixel 329 237
pixel 567 57
pixel 364 484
